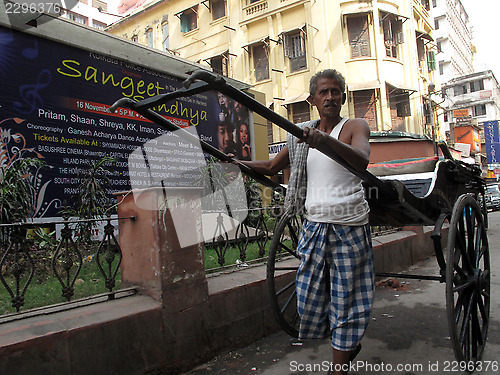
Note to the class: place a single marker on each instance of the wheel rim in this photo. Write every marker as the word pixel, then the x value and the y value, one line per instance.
pixel 282 267
pixel 468 280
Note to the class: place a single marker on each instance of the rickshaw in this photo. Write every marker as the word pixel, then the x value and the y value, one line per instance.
pixel 449 196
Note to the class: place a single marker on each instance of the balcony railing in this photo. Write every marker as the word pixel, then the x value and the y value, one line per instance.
pixel 258 8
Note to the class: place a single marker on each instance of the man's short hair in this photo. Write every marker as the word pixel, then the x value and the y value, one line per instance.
pixel 327 73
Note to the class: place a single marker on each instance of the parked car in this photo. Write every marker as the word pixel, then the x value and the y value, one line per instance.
pixel 492 197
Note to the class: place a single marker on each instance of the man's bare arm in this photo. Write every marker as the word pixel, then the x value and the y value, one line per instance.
pixel 357 153
pixel 270 167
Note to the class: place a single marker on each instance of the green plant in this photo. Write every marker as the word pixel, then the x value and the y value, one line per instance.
pixel 45 240
pixel 17 190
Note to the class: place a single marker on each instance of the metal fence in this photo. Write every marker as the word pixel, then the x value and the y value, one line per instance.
pixel 26 261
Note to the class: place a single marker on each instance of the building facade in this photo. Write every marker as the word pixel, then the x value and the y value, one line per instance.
pixel 94 13
pixel 381 47
pixel 474 99
pixel 453 37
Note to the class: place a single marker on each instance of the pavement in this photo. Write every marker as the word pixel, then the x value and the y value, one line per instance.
pixel 408 334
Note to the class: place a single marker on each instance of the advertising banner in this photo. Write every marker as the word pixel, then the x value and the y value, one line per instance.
pixel 492 140
pixel 54 102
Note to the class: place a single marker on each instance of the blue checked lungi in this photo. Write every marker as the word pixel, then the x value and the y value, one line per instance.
pixel 335 282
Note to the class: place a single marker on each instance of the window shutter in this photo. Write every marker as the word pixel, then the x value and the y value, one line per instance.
pixel 386 24
pixel 398 32
pixel 403 105
pixel 287 45
pixel 357 28
pixel 431 61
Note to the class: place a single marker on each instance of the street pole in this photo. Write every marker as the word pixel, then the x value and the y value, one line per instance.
pixel 431 90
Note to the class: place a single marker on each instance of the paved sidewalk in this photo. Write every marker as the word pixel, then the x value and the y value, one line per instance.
pixel 408 334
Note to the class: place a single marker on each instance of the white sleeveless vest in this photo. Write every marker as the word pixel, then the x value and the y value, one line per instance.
pixel 334 195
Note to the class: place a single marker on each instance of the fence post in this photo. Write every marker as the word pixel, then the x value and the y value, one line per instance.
pixel 162 266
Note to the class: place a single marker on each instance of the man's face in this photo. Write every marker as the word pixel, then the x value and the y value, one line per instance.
pixel 222 100
pixel 225 137
pixel 328 98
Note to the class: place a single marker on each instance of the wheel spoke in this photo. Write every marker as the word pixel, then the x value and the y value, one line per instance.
pixel 288 301
pixel 458 307
pixel 288 250
pixel 285 288
pixel 464 331
pixel 463 251
pixel 482 309
pixel 466 284
pixel 283 245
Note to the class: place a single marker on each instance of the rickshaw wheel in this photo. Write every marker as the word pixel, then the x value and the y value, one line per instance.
pixel 468 281
pixel 282 266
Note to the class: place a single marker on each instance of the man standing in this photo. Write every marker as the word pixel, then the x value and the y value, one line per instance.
pixel 335 279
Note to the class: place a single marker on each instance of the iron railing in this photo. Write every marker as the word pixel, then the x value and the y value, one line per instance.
pixel 21 260
pixel 249 243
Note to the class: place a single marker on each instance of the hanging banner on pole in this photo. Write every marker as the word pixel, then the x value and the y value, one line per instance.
pixel 492 141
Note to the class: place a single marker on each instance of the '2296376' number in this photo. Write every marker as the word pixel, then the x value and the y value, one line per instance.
pixel 470 366
pixel 22 8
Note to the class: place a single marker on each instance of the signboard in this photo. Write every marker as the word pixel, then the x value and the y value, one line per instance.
pixel 54 102
pixel 275 148
pixel 486 94
pixel 463 121
pixel 464 148
pixel 464 112
pixel 468 135
pixel 492 140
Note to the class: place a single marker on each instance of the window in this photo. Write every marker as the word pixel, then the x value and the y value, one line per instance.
pixel 165 36
pixel 479 110
pixel 393 34
pixel 189 20
pixel 420 49
pixel 436 24
pixel 359 39
pixel 426 4
pixel 98 25
pixel 218 9
pixel 365 107
pixel 220 64
pixel 295 49
pixel 439 46
pixel 260 54
pixel 459 90
pixel 476 85
pixel 399 105
pixel 300 112
pixel 441 68
pixel 75 17
pixel 149 37
pixel 134 38
pixel 431 61
pixel 434 3
pixel 427 112
pixel 403 104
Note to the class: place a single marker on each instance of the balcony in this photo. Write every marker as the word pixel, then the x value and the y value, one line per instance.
pixel 262 8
